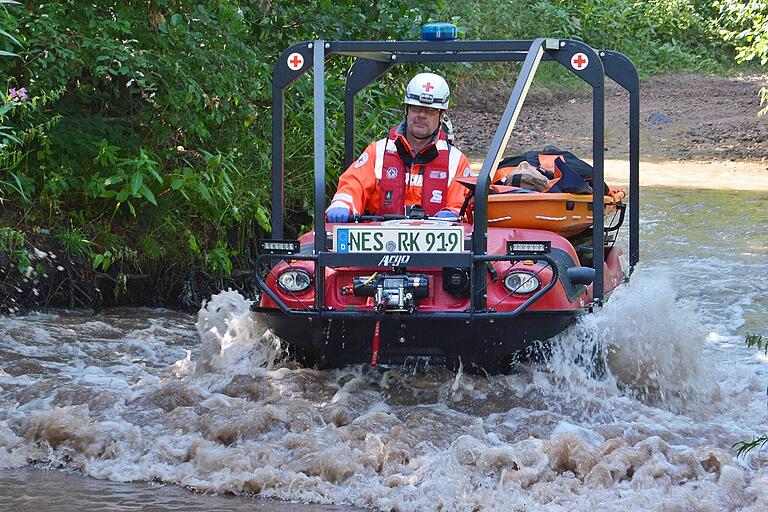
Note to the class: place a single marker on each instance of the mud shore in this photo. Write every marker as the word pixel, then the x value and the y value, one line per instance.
pixel 698 131
pixel 722 175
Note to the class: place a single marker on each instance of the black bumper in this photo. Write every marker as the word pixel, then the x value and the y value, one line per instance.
pixel 442 339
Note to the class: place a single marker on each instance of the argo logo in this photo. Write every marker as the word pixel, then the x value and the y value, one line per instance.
pixel 394 260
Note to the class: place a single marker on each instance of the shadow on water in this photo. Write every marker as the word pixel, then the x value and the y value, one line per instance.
pixel 51 490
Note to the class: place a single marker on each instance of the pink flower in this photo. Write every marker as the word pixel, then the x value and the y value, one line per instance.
pixel 17 94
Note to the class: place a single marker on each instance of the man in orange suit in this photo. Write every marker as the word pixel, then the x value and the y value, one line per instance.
pixel 413 165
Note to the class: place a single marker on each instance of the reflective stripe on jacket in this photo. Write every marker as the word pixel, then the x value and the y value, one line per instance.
pixel 360 186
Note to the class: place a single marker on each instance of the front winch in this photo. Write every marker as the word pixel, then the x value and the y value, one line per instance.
pixel 393 292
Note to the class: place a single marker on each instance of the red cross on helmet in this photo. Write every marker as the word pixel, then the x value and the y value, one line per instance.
pixel 428 90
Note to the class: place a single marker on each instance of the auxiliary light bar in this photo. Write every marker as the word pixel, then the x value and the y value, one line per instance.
pixel 279 246
pixel 514 247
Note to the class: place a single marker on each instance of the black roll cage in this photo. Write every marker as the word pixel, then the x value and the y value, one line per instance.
pixel 374 58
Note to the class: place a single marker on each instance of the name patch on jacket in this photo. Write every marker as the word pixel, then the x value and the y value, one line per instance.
pixel 438 175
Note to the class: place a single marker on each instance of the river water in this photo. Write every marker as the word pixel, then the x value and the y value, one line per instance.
pixel 137 409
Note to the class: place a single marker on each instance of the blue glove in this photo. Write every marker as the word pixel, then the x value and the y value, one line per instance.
pixel 337 214
pixel 447 215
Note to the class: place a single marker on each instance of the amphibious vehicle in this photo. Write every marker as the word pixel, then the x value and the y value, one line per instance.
pixel 393 289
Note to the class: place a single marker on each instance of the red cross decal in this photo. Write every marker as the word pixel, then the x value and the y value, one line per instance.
pixel 428 86
pixel 579 61
pixel 295 61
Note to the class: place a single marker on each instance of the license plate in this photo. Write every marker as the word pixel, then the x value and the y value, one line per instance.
pixel 432 239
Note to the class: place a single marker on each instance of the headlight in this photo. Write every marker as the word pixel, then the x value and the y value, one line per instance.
pixel 521 282
pixel 294 280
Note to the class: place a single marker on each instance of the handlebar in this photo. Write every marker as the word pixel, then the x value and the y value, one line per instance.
pixel 378 218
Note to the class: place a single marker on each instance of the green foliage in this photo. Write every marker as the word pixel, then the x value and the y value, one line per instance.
pixel 757 341
pixel 74 244
pixel 151 119
pixel 115 254
pixel 129 179
pixel 745 23
pixel 658 35
pixel 743 447
pixel 13 243
pixel 218 260
pixel 142 132
pixel 5 38
pixel 24 126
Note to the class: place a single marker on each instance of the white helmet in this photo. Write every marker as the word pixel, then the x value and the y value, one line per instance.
pixel 428 90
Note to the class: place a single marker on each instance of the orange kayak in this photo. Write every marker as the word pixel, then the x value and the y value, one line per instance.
pixel 564 214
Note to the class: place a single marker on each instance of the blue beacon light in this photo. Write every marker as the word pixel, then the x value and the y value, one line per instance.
pixel 438 32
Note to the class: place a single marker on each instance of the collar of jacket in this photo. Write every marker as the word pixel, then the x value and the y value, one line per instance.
pixel 439 134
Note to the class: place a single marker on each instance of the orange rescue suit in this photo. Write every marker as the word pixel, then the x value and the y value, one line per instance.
pixel 362 189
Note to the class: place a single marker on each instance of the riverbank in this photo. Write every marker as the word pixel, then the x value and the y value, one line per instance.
pixel 696 131
pixel 716 175
pixel 719 175
pixel 682 118
pixel 46 277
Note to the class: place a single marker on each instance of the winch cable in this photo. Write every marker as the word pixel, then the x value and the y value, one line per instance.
pixel 377 334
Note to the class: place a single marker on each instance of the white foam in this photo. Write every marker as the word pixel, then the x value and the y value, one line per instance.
pixel 232 340
pixel 651 342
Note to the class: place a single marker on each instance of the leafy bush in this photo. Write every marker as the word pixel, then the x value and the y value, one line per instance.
pixel 144 126
pixel 659 35
pixel 75 244
pixel 150 120
pixel 745 23
pixel 13 244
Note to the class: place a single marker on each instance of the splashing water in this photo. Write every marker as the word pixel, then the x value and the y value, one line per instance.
pixel 231 338
pixel 649 345
pixel 647 424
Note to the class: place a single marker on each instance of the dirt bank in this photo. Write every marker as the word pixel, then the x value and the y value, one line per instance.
pixel 724 175
pixel 49 278
pixel 683 118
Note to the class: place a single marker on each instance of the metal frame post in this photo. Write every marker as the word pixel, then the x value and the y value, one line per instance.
pixel 360 74
pixel 492 158
pixel 319 146
pixel 593 74
pixel 278 162
pixel 622 71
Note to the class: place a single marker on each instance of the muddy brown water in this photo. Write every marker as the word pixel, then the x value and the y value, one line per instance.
pixel 151 409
